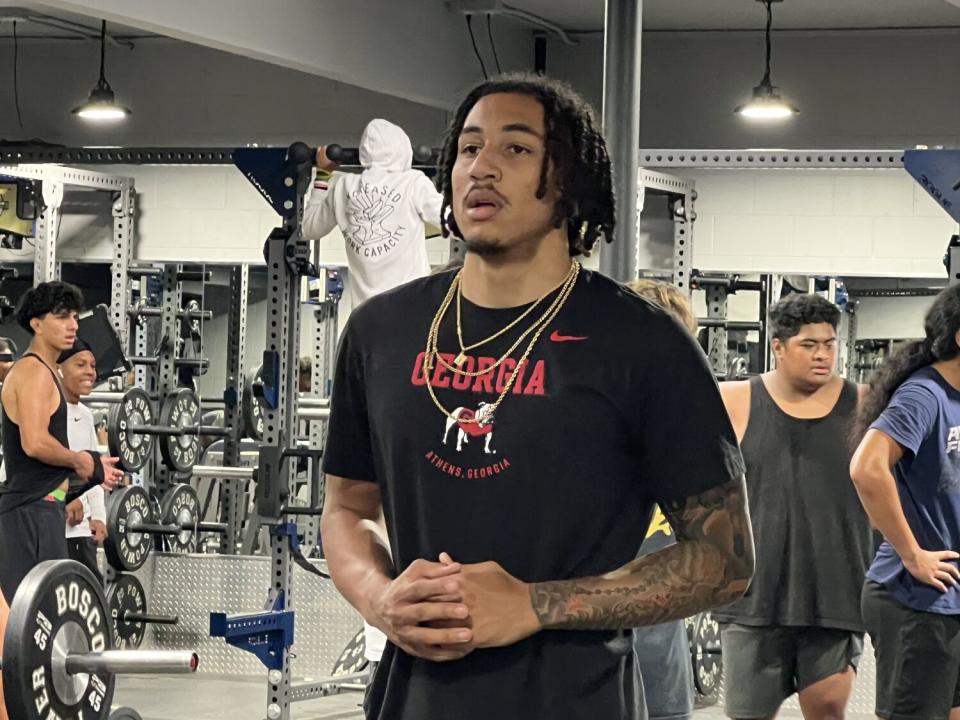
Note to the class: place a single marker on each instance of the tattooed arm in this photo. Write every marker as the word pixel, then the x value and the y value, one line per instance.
pixel 711 564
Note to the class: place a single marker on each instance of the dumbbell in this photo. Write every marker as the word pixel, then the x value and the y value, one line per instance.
pixel 131 524
pixel 58 659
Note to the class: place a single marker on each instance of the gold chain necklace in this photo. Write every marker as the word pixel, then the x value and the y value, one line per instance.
pixel 484 415
pixel 464 349
pixel 444 306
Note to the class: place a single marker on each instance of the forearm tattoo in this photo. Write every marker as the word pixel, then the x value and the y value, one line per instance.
pixel 710 565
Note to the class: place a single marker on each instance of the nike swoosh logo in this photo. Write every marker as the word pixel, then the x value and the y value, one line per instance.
pixel 557 337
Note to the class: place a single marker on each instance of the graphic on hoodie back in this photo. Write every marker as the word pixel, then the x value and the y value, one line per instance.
pixel 369 207
pixel 375 226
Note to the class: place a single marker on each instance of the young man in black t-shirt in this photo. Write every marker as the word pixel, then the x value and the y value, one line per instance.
pixel 517 420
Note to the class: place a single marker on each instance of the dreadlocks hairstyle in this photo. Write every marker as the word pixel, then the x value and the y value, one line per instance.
pixel 799 309
pixel 940 343
pixel 45 298
pixel 575 149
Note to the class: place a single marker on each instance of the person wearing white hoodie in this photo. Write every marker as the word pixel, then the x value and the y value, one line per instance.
pixel 380 211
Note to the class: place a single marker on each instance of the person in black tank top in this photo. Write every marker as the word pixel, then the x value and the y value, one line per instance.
pixel 798 627
pixel 37 459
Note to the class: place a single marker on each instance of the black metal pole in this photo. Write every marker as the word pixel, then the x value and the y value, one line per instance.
pixel 621 126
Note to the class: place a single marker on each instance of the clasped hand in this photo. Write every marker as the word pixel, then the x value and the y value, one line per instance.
pixel 444 610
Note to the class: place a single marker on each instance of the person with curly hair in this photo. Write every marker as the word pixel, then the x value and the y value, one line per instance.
pixel 798 628
pixel 517 419
pixel 36 452
pixel 907 473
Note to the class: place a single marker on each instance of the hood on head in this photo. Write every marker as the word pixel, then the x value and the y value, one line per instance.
pixel 385 146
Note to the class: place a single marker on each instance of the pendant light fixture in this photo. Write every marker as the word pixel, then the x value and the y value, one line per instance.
pixel 102 104
pixel 767 103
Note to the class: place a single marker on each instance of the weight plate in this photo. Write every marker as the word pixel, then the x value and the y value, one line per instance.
pixel 124 596
pixel 706 654
pixel 252 409
pixel 180 506
pixel 180 409
pixel 126 550
pixel 59 610
pixel 125 713
pixel 133 449
pixel 352 659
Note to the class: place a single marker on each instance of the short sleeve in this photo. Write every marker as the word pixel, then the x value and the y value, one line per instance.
pixel 349 452
pixel 686 442
pixel 909 416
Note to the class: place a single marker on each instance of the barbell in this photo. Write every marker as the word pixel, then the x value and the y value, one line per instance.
pixel 308 408
pixel 132 525
pixel 132 432
pixel 127 604
pixel 58 656
pixel 133 428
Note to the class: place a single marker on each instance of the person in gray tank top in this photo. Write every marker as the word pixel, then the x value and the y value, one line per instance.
pixel 798 628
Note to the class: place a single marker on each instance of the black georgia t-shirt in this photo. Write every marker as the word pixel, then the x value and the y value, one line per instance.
pixel 615 409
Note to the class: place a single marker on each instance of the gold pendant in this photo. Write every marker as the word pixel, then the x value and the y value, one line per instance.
pixel 460 359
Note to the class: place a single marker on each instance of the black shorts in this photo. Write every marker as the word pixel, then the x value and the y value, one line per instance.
pixel 84 551
pixel 29 534
pixel 918 657
pixel 763 666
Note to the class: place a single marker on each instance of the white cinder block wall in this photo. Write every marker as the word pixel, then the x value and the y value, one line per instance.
pixel 818 222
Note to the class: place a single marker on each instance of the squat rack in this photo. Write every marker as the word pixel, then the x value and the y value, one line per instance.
pixel 55 182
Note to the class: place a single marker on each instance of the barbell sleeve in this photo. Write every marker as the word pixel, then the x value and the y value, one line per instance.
pixel 154 529
pixel 312 402
pixel 220 528
pixel 132 617
pixel 195 275
pixel 732 284
pixel 730 324
pixel 305 511
pixel 164 431
pixel 127 662
pixel 182 314
pixel 313 413
pixel 222 473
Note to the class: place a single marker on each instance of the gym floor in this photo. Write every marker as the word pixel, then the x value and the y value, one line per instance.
pixel 158 697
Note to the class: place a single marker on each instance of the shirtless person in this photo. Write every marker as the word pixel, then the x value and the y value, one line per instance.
pixel 36 455
pixel 798 628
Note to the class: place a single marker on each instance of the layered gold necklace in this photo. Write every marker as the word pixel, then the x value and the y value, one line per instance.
pixel 485 413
